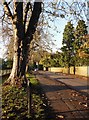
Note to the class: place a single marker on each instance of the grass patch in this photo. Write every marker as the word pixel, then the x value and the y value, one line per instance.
pixel 32 79
pixel 15 105
pixel 37 103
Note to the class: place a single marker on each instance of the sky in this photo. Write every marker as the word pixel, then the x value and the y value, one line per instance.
pixel 59 23
pixel 58 36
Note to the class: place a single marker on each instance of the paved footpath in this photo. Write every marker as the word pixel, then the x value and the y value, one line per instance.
pixel 67 103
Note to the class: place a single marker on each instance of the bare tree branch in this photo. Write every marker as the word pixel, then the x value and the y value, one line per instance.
pixel 7 10
pixel 33 22
pixel 26 12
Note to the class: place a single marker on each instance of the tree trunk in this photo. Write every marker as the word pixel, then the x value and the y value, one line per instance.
pixel 25 50
pixel 29 35
pixel 74 69
pixel 22 38
pixel 68 69
pixel 18 36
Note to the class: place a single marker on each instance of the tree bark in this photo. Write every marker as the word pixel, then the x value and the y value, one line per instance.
pixel 18 37
pixel 29 35
pixel 22 38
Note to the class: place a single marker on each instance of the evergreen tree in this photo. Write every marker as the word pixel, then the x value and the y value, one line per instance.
pixel 80 32
pixel 68 45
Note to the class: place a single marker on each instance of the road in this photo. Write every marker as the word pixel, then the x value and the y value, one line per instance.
pixel 67 103
pixel 79 84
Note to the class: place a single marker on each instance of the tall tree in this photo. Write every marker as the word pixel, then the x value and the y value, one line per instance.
pixel 80 32
pixel 84 48
pixel 23 33
pixel 68 48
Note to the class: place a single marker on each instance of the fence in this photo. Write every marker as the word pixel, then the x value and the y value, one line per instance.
pixel 5 72
pixel 81 70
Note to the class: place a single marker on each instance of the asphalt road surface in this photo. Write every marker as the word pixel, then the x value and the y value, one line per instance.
pixel 67 103
pixel 79 84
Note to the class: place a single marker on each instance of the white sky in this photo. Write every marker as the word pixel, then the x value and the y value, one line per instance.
pixel 2 48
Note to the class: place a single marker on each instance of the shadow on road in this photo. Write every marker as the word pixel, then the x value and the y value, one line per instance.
pixel 52 88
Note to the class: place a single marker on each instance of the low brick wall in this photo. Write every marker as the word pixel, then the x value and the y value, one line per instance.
pixel 82 70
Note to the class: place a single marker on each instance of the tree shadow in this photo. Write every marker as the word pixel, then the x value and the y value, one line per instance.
pixel 53 88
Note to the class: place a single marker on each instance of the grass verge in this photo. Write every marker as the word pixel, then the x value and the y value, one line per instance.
pixel 15 105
